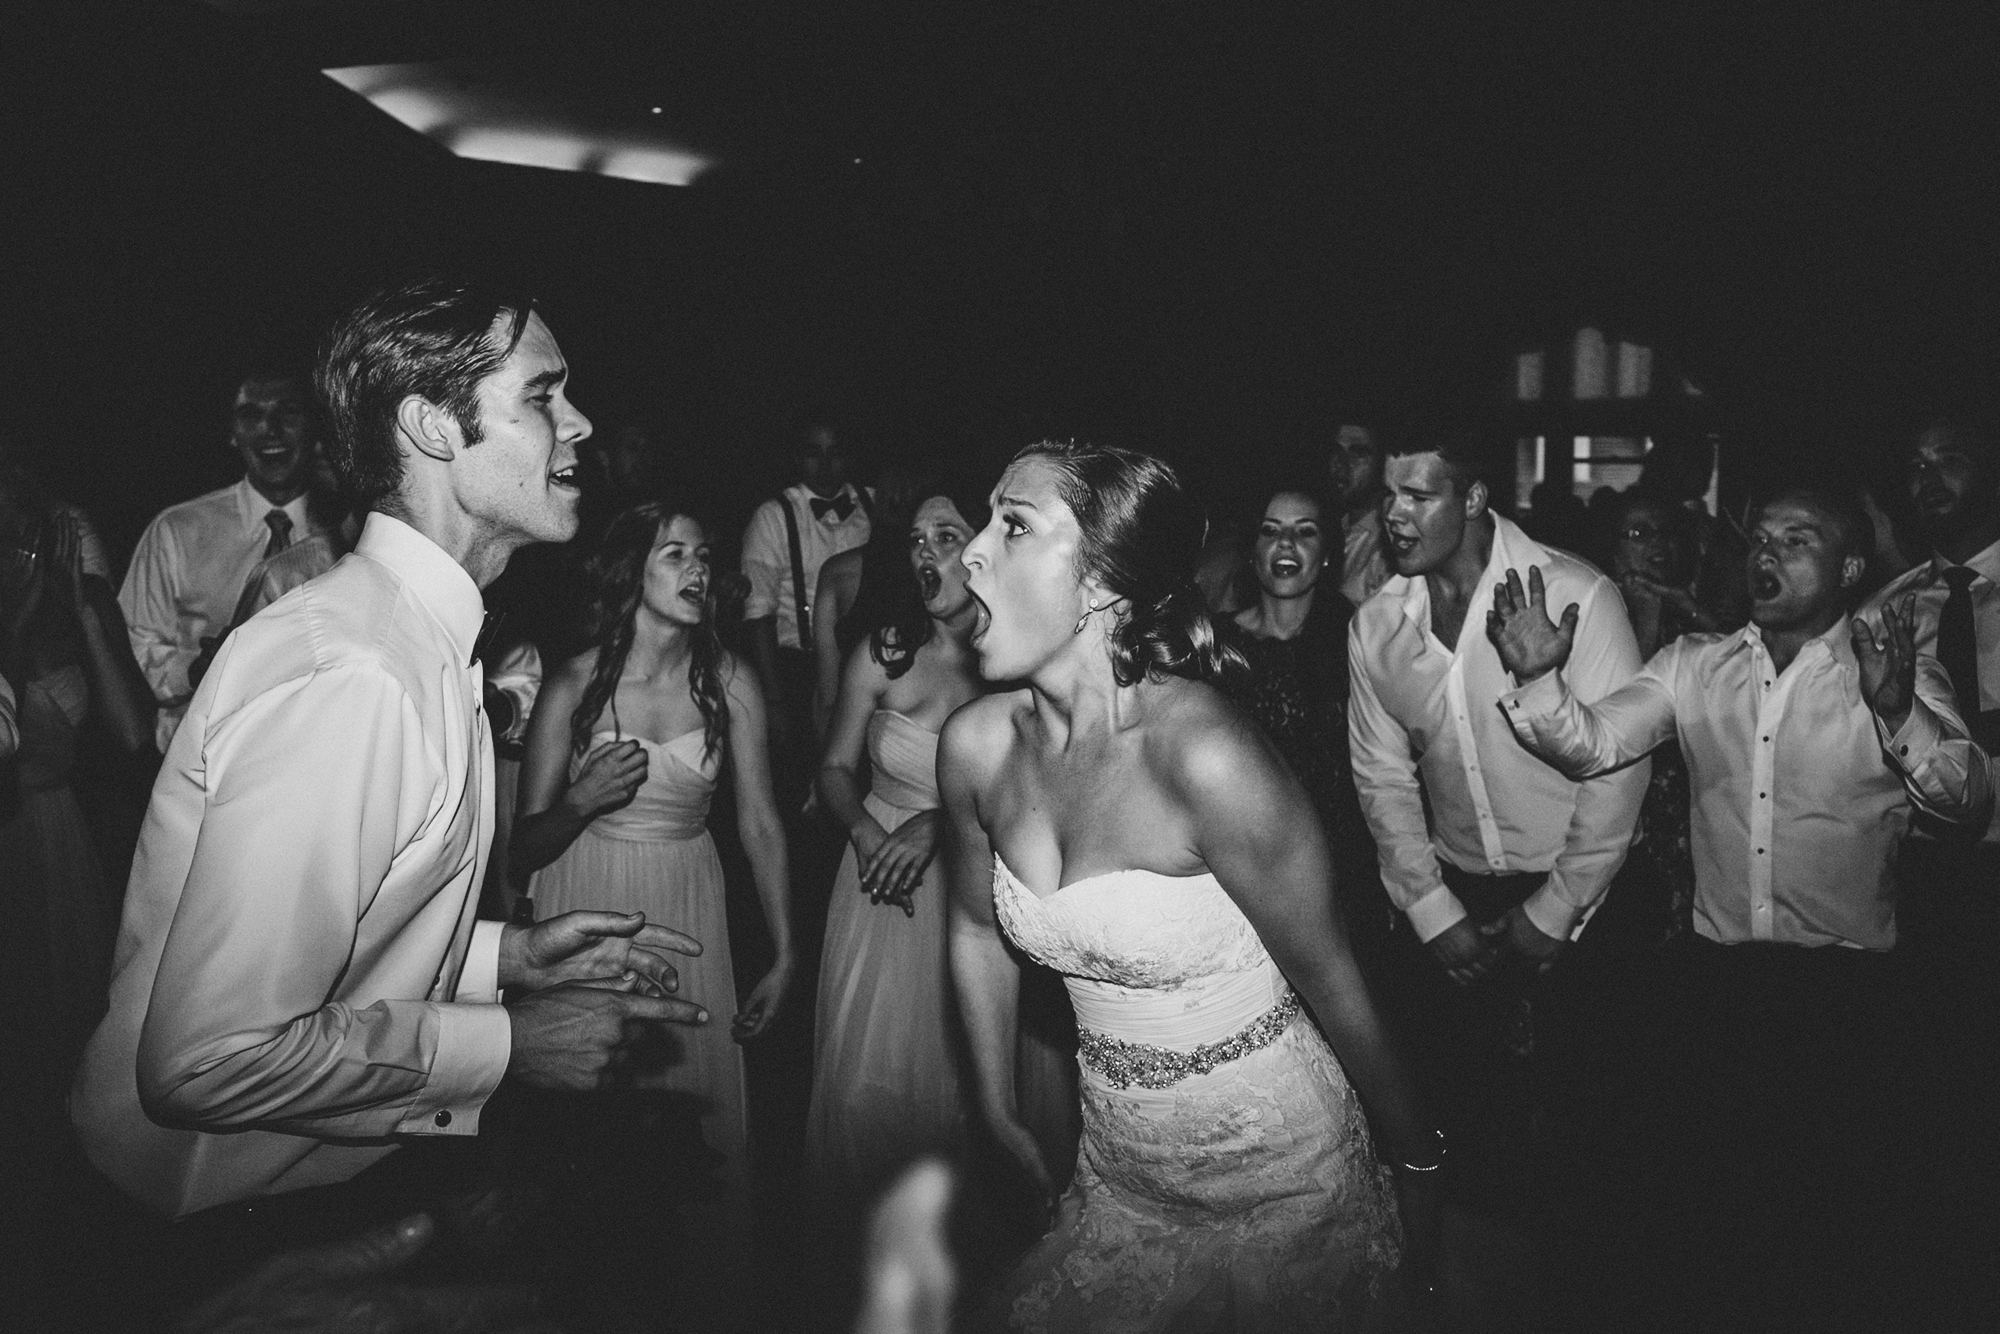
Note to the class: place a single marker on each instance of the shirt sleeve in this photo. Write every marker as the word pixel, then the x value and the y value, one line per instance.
pixel 152 615
pixel 1392 802
pixel 239 1032
pixel 1603 664
pixel 1946 773
pixel 767 560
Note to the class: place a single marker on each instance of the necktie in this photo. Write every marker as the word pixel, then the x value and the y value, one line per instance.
pixel 1957 645
pixel 280 524
pixel 840 507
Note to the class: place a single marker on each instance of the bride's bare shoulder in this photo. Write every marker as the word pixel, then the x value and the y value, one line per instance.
pixel 980 732
pixel 1202 737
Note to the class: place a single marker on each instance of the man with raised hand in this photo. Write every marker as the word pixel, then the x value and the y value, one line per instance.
pixel 1779 1093
pixel 300 986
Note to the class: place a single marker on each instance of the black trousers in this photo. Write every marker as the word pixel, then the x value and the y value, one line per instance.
pixel 1474 1048
pixel 128 1268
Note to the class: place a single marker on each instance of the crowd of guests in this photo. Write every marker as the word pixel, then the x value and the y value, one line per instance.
pixel 1664 843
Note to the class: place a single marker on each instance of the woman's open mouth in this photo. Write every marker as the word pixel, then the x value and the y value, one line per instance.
pixel 1284 567
pixel 982 618
pixel 929 581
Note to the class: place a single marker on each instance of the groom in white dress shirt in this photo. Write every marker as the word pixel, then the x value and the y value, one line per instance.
pixel 300 985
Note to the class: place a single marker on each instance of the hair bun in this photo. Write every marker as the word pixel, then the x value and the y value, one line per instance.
pixel 1171 633
pixel 1141 537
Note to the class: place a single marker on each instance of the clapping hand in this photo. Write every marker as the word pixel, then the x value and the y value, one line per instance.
pixel 586 946
pixel 1516 935
pixel 1529 643
pixel 65 558
pixel 1465 952
pixel 1889 666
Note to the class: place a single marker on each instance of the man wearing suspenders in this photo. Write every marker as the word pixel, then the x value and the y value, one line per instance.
pixel 790 536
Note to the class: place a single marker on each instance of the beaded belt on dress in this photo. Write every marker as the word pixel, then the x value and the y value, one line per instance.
pixel 1128 1063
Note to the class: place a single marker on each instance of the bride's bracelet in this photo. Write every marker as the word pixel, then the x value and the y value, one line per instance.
pixel 1437 1137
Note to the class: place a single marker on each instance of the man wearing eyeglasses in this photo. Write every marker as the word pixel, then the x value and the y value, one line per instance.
pixel 191 563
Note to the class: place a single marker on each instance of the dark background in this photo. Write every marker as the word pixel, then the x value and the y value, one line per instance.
pixel 1171 225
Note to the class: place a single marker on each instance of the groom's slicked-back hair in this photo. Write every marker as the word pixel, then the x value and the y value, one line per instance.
pixel 436 338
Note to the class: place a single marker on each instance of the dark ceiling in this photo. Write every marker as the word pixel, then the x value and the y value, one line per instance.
pixel 1174 223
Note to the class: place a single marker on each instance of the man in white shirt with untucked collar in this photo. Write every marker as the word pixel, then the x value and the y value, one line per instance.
pixel 1495 858
pixel 1809 739
pixel 300 985
pixel 190 565
pixel 1449 794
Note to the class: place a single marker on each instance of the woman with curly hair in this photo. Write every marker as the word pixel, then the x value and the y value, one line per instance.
pixel 623 753
pixel 1114 817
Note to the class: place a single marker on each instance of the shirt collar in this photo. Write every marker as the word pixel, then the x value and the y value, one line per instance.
pixel 1986 564
pixel 1512 549
pixel 251 507
pixel 1837 639
pixel 439 582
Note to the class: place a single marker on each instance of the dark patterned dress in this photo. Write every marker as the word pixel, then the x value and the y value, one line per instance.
pixel 1296 692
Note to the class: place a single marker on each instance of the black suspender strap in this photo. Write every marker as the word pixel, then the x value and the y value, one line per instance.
pixel 798 573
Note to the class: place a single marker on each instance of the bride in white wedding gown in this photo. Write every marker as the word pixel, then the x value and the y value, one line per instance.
pixel 1126 826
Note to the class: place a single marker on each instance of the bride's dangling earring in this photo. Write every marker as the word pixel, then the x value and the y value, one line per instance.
pixel 1084 619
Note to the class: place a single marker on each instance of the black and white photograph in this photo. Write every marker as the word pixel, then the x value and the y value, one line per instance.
pixel 673 667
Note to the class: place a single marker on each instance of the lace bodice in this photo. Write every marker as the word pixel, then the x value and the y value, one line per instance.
pixel 673 801
pixel 1236 1193
pixel 1132 928
pixel 903 754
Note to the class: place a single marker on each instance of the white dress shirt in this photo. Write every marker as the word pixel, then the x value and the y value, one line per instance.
pixel 1440 773
pixel 767 555
pixel 298 975
pixel 1926 583
pixel 1800 793
pixel 185 578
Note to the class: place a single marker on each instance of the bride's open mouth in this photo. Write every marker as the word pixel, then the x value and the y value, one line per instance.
pixel 982 618
pixel 930 581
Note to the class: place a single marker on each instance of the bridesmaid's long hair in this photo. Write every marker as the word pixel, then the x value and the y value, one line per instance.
pixel 617 574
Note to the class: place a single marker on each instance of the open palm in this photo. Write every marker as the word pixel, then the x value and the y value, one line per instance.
pixel 1529 643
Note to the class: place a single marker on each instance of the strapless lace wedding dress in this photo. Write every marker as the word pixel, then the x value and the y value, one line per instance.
pixel 1226 1179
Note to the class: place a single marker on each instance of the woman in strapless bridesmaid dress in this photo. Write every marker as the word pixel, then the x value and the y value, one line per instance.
pixel 1116 819
pixel 624 750
pixel 887 1072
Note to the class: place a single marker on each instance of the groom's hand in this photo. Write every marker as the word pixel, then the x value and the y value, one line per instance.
pixel 1529 643
pixel 580 946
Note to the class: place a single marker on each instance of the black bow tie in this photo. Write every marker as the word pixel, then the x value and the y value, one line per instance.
pixel 489 635
pixel 839 507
